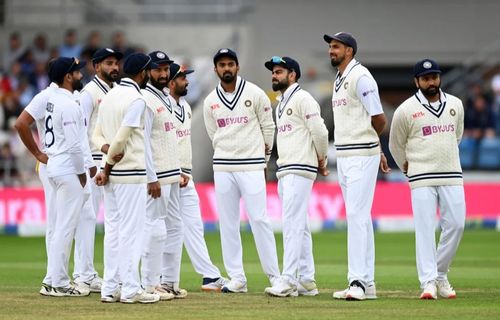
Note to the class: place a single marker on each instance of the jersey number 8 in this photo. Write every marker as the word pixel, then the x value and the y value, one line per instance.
pixel 49 129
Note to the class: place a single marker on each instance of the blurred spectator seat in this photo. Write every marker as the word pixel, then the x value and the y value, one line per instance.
pixel 489 153
pixel 467 149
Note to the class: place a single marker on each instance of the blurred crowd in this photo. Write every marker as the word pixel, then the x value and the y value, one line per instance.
pixel 23 74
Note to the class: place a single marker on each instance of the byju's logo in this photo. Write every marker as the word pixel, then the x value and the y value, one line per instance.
pixel 221 123
pixel 427 130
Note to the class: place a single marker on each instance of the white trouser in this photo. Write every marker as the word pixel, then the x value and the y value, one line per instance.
pixel 159 220
pixel 69 198
pixel 433 264
pixel 50 209
pixel 172 248
pixel 295 191
pixel 85 237
pixel 193 233
pixel 357 179
pixel 124 215
pixel 251 186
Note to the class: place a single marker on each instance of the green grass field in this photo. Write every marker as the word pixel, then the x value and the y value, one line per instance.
pixel 475 275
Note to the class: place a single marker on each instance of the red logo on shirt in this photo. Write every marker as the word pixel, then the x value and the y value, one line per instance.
pixel 160 109
pixel 215 106
pixel 418 115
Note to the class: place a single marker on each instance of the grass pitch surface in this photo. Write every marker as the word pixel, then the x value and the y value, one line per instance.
pixel 475 274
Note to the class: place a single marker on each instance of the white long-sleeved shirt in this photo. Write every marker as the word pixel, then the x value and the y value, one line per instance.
pixel 426 135
pixel 302 135
pixel 240 125
pixel 64 126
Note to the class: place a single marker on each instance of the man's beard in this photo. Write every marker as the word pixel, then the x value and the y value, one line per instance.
pixel 280 85
pixel 431 91
pixel 159 85
pixel 77 85
pixel 227 77
pixel 181 92
pixel 110 77
pixel 336 62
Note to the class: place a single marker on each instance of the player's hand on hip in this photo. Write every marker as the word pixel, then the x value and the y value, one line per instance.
pixel 101 179
pixel 42 157
pixel 83 179
pixel 117 157
pixel 384 167
pixel 184 180
pixel 154 189
pixel 93 171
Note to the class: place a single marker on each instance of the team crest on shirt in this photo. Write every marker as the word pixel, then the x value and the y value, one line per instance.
pixel 453 112
pixel 248 103
pixel 289 112
pixel 346 84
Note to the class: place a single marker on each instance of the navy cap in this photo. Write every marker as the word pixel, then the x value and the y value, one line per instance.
pixel 345 38
pixel 225 52
pixel 285 62
pixel 103 53
pixel 160 57
pixel 177 71
pixel 136 62
pixel 426 66
pixel 64 65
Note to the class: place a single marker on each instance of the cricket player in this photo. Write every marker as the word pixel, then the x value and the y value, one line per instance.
pixel 359 120
pixel 302 142
pixel 238 119
pixel 120 123
pixel 163 221
pixel 189 202
pixel 35 113
pixel 425 132
pixel 66 171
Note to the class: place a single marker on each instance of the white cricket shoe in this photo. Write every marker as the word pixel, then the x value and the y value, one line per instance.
pixel 45 290
pixel 355 292
pixel 445 290
pixel 164 294
pixel 307 288
pixel 93 285
pixel 429 292
pixel 173 288
pixel 115 297
pixel 142 297
pixel 282 288
pixel 209 285
pixel 70 291
pixel 235 286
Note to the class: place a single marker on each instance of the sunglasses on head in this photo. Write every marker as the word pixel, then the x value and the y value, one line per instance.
pixel 277 59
